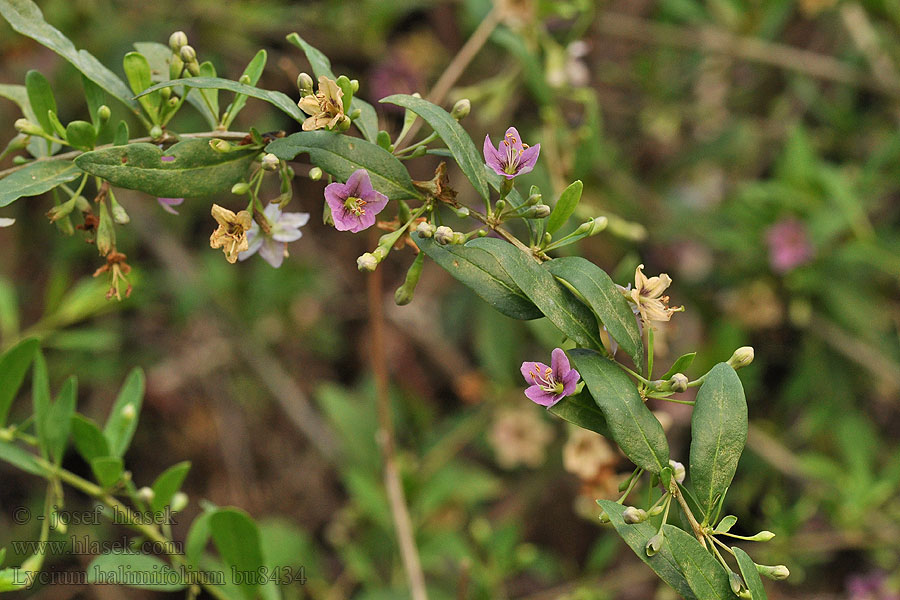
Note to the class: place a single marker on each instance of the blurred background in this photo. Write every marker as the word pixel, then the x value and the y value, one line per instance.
pixel 749 149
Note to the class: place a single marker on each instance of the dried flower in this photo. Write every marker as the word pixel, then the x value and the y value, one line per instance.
pixel 789 245
pixel 648 298
pixel 231 235
pixel 586 454
pixel 550 384
pixel 511 157
pixel 283 227
pixel 325 108
pixel 520 437
pixel 118 270
pixel 354 204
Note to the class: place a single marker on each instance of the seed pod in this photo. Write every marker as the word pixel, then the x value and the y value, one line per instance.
pixel 404 293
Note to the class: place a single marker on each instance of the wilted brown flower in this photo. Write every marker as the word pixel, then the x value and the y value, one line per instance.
pixel 325 108
pixel 520 437
pixel 231 235
pixel 586 453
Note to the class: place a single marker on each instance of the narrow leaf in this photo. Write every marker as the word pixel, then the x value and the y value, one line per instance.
pixel 726 524
pixel 458 141
pixel 89 440
pixel 108 470
pixel 253 72
pixel 14 365
pixel 750 574
pixel 59 421
pixel 718 435
pixel 137 71
pixel 140 571
pixel 633 426
pixel 565 206
pixel 704 574
pixel 19 458
pixel 41 99
pixel 35 179
pixel 681 365
pixel 604 298
pixel 167 485
pixel 123 417
pixel 236 537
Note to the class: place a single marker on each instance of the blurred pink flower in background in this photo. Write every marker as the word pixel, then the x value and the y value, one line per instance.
pixel 789 245
pixel 872 586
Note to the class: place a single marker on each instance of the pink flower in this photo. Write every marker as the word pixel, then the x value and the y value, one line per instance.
pixel 789 245
pixel 168 203
pixel 550 384
pixel 511 157
pixel 354 204
pixel 284 227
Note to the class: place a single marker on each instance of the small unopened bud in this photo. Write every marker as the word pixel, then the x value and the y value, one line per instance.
pixel 368 262
pixel 245 79
pixel 654 544
pixel 146 494
pixel 220 145
pixel 777 572
pixel 425 229
pixel 344 125
pixel 633 515
pixel 742 357
pixel 678 382
pixel 240 188
pixel 315 173
pixel 357 113
pixel 129 412
pixel 604 516
pixel 82 204
pixel 270 162
pixel 119 215
pixel 179 502
pixel 187 54
pixel 177 41
pixel 500 206
pixel 156 132
pixel 655 510
pixel 678 471
pixel 541 211
pixel 27 127
pixel 172 102
pixel 104 113
pixel 19 160
pixel 58 212
pixel 166 93
pixel 305 84
pixel 736 583
pixel 354 85
pixel 443 235
pixel 534 199
pixel 461 109
pixel 762 536
pixel 462 211
pixel 176 66
pixel 592 227
pixel 458 238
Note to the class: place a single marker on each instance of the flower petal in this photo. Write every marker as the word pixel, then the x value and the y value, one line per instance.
pixel 375 201
pixel 570 382
pixel 529 158
pixel 272 252
pixel 492 156
pixel 515 140
pixel 539 396
pixel 559 363
pixel 359 184
pixel 255 241
pixel 537 368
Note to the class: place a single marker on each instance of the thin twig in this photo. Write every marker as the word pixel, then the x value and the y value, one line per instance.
pixel 396 498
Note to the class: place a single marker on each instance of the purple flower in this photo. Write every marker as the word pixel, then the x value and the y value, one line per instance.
pixel 550 384
pixel 511 157
pixel 354 204
pixel 284 227
pixel 872 586
pixel 168 203
pixel 789 245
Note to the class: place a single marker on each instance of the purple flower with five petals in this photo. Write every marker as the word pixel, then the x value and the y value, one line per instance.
pixel 550 384
pixel 284 227
pixel 354 204
pixel 511 157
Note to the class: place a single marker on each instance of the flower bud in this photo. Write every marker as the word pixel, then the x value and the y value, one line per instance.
pixel 146 494
pixel 156 132
pixel 119 215
pixel 354 85
pixel 762 536
pixel 129 412
pixel 27 127
pixel 177 41
pixel 461 212
pixel 58 212
pixel 777 572
pixel 245 79
pixel 240 188
pixel 176 66
pixel 58 522
pixel 458 238
pixel 604 516
pixel 541 211
pixel 82 204
pixel 633 515
pixel 678 382
pixel 104 113
pixel 534 198
pixel 220 145
pixel 344 125
pixel 461 109
pixel 592 227
pixel 357 113
pixel 305 84
pixel 656 510
pixel 500 206
pixel 425 229
pixel 678 471
pixel 315 173
pixel 166 93
pixel 742 357
pixel 19 160
pixel 654 544
pixel 270 162
pixel 179 502
pixel 443 235
pixel 368 262
pixel 187 54
pixel 736 583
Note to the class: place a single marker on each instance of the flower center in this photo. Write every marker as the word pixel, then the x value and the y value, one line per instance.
pixel 547 382
pixel 355 205
pixel 513 156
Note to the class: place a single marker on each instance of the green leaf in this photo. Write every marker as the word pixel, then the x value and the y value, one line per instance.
pixel 167 485
pixel 140 571
pixel 11 580
pixel 197 538
pixel 197 170
pixel 40 97
pixel 253 72
pixel 120 138
pixel 14 365
pixel 604 298
pixel 726 524
pixel 636 536
pixel 565 206
pixel 236 537
pixel 137 71
pixel 35 179
pixel 559 306
pixel 211 95
pixel 95 98
pixel 341 155
pixel 481 272
pixel 58 425
pixel 704 574
pixel 633 426
pixel 718 435
pixel 26 18
pixel 19 95
pixel 108 470
pixel 750 574
pixel 123 417
pixel 17 457
pixel 681 365
pixel 367 123
pixel 89 440
pixel 458 141
pixel 81 135
pixel 581 410
pixel 277 99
